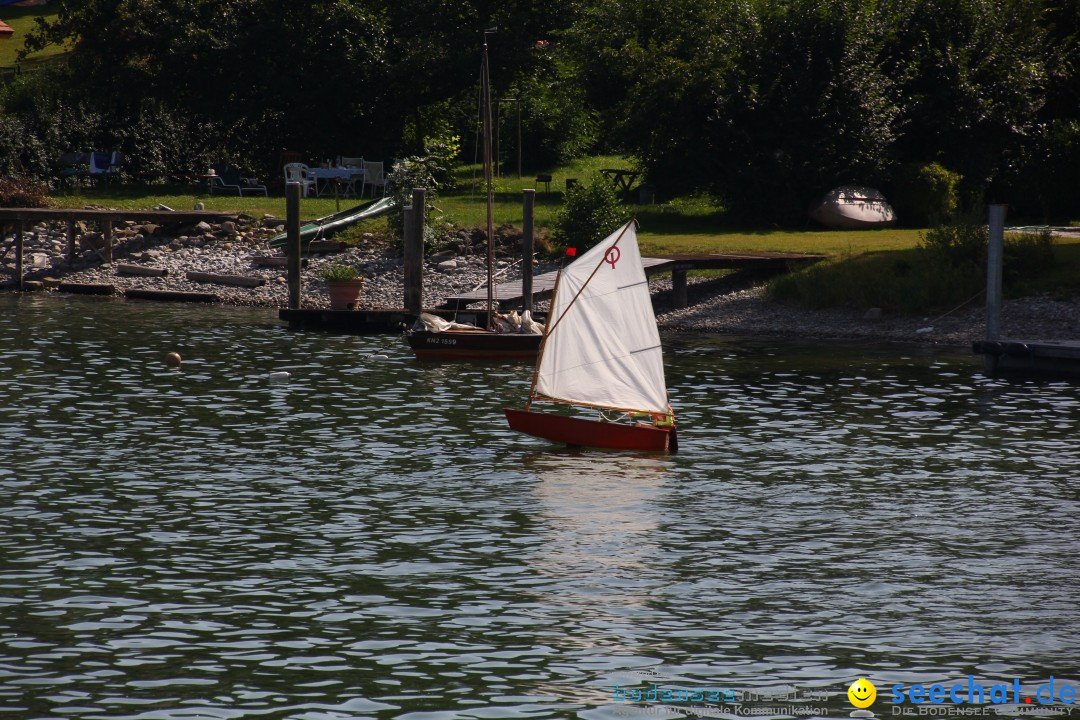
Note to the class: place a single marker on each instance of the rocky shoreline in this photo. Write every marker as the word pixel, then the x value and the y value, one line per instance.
pixel 726 305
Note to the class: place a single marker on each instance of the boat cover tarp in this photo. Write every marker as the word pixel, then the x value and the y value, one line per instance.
pixel 326 226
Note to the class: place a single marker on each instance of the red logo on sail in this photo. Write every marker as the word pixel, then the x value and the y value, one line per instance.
pixel 612 256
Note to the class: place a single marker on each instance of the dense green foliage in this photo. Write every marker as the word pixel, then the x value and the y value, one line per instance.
pixel 590 213
pixel 764 103
pixel 925 194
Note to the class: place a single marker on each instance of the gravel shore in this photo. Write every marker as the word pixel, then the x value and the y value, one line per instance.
pixel 723 305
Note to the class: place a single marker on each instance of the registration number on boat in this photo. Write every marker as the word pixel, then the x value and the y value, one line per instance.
pixel 442 341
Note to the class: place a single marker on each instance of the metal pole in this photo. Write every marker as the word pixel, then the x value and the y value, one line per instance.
pixel 519 135
pixel 527 249
pixel 996 219
pixel 292 231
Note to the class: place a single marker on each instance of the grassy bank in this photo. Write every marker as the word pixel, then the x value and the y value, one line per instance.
pixel 918 280
pixel 682 225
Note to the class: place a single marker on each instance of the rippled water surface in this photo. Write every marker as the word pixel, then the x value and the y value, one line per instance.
pixel 369 539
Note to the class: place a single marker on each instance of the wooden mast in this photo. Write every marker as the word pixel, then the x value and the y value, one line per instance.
pixel 485 101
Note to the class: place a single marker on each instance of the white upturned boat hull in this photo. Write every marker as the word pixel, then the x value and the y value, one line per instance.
pixel 853 208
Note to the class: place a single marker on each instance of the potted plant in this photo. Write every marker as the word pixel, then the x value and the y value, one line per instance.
pixel 344 285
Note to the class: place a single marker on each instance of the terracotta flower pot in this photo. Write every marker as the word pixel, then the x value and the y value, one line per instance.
pixel 345 294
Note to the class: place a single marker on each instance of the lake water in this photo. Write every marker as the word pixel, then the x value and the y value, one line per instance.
pixel 370 540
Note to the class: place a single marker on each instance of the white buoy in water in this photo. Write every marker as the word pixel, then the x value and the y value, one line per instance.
pixel 280 376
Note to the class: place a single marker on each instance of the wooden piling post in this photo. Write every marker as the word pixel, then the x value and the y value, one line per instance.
pixel 19 255
pixel 528 202
pixel 994 253
pixel 71 240
pixel 414 252
pixel 678 289
pixel 292 231
pixel 108 234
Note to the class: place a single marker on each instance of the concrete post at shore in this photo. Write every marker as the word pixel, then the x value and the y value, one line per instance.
pixel 414 252
pixel 528 201
pixel 994 252
pixel 19 255
pixel 292 241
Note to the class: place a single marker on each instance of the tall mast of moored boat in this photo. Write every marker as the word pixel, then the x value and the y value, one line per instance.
pixel 485 102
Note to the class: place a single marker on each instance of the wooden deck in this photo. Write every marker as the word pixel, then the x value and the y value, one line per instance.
pixel 509 294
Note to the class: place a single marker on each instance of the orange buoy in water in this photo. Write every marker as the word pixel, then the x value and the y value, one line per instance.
pixel 173 359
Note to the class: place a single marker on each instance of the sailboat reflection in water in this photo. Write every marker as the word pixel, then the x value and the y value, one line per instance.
pixel 601 349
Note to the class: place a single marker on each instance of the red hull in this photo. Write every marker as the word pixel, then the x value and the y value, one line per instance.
pixel 592 433
pixel 473 345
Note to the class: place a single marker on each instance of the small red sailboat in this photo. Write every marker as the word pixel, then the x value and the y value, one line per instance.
pixel 601 349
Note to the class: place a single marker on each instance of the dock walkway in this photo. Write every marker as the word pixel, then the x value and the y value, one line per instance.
pixel 19 217
pixel 1021 357
pixel 510 294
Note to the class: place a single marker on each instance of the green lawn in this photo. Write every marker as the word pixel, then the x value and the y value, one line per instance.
pixel 21 20
pixel 682 225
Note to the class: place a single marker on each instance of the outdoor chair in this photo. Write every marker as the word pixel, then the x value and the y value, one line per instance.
pixel 373 176
pixel 299 172
pixel 105 165
pixel 227 178
pixel 72 166
pixel 351 162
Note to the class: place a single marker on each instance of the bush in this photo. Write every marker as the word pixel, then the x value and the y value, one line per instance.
pixel 925 195
pixel 589 214
pixel 412 172
pixel 960 243
pixel 23 193
pixel 442 152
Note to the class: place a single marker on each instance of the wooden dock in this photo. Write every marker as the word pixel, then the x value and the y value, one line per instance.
pixel 509 294
pixel 1005 357
pixel 20 217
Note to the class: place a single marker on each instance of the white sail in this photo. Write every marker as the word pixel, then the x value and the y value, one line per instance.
pixel 602 346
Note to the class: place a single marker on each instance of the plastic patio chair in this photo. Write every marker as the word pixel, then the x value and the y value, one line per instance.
pixel 299 172
pixel 373 176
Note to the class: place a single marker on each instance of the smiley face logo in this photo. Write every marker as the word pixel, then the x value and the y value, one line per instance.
pixel 862 693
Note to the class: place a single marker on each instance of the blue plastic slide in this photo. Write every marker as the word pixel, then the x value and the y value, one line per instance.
pixel 326 226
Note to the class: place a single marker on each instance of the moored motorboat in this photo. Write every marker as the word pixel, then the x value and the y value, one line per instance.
pixel 436 339
pixel 433 339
